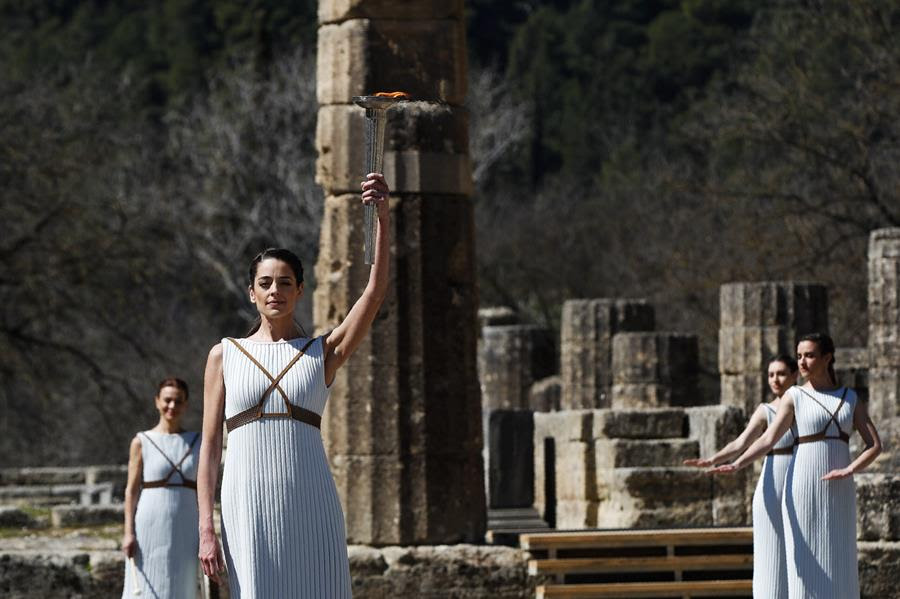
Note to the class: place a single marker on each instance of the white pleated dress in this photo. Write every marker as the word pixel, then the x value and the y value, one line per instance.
pixel 770 580
pixel 820 516
pixel 165 521
pixel 282 523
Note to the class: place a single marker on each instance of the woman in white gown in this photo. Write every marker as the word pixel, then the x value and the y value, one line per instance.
pixel 769 563
pixel 161 504
pixel 282 524
pixel 819 504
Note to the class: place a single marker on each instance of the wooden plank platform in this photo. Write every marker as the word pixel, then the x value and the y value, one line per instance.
pixel 636 538
pixel 727 561
pixel 648 590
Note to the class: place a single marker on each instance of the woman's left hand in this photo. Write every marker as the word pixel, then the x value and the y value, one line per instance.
pixel 375 191
pixel 723 469
pixel 838 474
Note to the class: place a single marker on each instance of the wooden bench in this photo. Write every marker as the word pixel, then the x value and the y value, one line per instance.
pixel 689 561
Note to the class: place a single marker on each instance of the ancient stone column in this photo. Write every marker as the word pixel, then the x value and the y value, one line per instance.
pixel 757 321
pixel 510 360
pixel 403 424
pixel 884 323
pixel 654 370
pixel 588 326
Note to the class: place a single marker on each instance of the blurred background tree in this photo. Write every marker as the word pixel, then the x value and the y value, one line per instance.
pixel 651 148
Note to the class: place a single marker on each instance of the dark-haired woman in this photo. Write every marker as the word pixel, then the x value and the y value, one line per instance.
pixel 282 524
pixel 819 505
pixel 161 503
pixel 770 579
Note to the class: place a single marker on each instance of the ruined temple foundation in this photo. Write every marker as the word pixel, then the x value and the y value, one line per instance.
pixel 403 425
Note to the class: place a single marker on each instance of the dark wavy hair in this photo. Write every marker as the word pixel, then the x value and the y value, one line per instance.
pixel 172 382
pixel 286 256
pixel 826 346
pixel 785 359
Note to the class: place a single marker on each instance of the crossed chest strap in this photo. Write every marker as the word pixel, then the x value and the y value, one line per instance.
pixel 823 434
pixel 166 482
pixel 290 410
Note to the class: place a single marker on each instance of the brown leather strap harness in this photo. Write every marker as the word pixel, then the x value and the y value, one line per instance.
pixel 290 410
pixel 166 482
pixel 781 450
pixel 821 436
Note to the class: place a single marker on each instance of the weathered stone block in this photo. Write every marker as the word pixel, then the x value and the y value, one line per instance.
pixel 744 391
pixel 587 329
pixel 545 394
pixel 715 426
pixel 14 517
pixel 425 149
pixel 510 444
pixel 86 515
pixel 495 316
pixel 424 58
pixel 884 393
pixel 852 369
pixel 576 514
pixel 654 370
pixel 654 488
pixel 341 10
pixel 639 424
pixel 745 350
pixel 879 569
pixel 878 507
pixel 566 425
pixel 801 307
pixel 510 359
pixel 42 476
pixel 613 514
pixel 629 453
pixel 575 471
pixel 116 475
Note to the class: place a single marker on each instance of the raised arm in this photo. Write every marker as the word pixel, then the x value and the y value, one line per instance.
pixel 132 494
pixel 346 337
pixel 211 559
pixel 780 425
pixel 863 423
pixel 754 429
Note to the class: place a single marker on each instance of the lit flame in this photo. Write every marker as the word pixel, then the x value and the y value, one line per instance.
pixel 395 95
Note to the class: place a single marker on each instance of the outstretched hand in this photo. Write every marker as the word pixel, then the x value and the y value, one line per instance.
pixel 698 462
pixel 723 469
pixel 838 474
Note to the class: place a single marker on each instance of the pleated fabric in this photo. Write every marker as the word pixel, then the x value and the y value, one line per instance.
pixel 165 523
pixel 282 523
pixel 770 579
pixel 820 516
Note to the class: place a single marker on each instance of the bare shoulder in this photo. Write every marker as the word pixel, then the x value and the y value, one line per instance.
pixel 134 449
pixel 214 359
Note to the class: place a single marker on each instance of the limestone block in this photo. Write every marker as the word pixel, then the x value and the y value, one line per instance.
pixel 884 393
pixel 801 307
pixel 664 423
pixel 117 475
pixel 575 471
pixel 86 515
pixel 879 570
pixel 565 425
pixel 884 286
pixel 654 370
pixel 654 488
pixel 587 329
pixel 510 443
pixel 424 58
pixel 575 514
pixel 733 498
pixel 496 315
pixel 41 476
pixel 714 426
pixel 544 395
pixel 510 359
pixel 747 350
pixel 630 453
pixel 744 391
pixel 425 149
pixel 341 10
pixel 878 507
pixel 852 369
pixel 612 514
pixel 14 517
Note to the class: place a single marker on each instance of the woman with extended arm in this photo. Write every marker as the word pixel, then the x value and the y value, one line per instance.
pixel 282 524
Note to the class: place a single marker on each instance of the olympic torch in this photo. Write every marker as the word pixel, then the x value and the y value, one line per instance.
pixel 376 108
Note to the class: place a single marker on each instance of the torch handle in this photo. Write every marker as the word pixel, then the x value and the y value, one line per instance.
pixel 375 121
